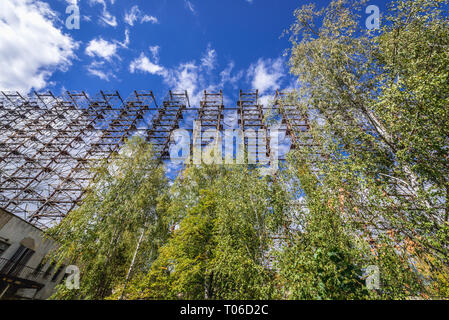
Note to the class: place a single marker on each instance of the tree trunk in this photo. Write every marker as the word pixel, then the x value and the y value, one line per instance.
pixel 132 264
pixel 388 138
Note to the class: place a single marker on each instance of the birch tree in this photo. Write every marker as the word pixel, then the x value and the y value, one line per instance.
pixel 377 100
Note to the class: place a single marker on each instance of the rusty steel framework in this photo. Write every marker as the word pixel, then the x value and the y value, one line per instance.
pixel 48 143
pixel 297 124
pixel 298 128
pixel 210 113
pixel 166 121
pixel 251 117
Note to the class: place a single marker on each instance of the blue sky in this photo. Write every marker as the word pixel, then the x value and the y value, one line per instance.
pixel 156 45
pixel 147 45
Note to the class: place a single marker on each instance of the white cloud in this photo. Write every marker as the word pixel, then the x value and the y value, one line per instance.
pixel 106 17
pixel 144 64
pixel 209 59
pixel 193 78
pixel 102 2
pixel 189 5
pixel 31 46
pixel 266 74
pixel 101 48
pixel 227 77
pixel 100 70
pixel 131 16
pixel 102 51
pixel 185 77
pixel 126 42
pixel 136 15
pixel 147 18
pixel 155 53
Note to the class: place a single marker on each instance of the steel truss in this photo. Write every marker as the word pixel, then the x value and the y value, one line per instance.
pixel 251 118
pixel 48 143
pixel 166 122
pixel 298 124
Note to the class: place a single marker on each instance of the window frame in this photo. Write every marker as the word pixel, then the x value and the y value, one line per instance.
pixel 2 251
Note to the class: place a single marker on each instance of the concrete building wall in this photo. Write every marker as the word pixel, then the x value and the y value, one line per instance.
pixel 16 232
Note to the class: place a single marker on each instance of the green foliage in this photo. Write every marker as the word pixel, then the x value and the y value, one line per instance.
pixel 220 248
pixel 324 260
pixel 100 236
pixel 371 189
pixel 377 101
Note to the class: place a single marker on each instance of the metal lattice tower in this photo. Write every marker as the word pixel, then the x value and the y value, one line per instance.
pixel 47 145
pixel 297 123
pixel 251 117
pixel 211 109
pixel 166 122
pixel 210 117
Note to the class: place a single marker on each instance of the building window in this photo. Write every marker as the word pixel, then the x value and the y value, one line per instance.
pixel 57 273
pixel 49 270
pixel 3 247
pixel 39 268
pixel 18 261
